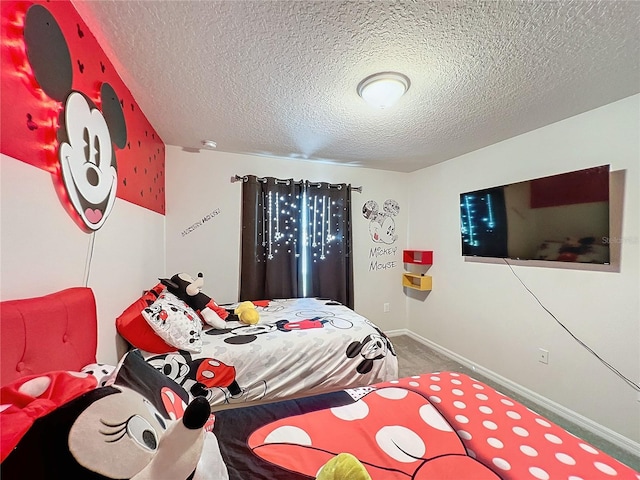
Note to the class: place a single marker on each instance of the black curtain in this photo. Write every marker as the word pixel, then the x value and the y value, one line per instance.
pixel 296 240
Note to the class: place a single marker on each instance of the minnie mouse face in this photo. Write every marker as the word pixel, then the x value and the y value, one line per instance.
pixel 134 435
pixel 112 432
pixel 133 429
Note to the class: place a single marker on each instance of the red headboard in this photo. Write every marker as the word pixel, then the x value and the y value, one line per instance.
pixel 53 332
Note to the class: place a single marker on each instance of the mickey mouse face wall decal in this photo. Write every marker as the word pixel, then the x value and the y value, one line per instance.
pixel 87 135
pixel 382 226
pixel 89 175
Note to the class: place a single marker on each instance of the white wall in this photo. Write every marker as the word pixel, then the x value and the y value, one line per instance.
pixel 198 184
pixel 483 313
pixel 42 250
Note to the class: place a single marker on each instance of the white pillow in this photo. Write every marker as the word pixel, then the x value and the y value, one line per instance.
pixel 175 322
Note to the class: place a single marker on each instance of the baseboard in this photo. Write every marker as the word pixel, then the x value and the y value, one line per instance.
pixel 604 432
pixel 398 332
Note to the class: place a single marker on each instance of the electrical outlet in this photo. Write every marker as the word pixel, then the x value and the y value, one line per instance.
pixel 386 308
pixel 543 356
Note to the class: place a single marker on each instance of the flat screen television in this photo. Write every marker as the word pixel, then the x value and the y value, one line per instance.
pixel 562 218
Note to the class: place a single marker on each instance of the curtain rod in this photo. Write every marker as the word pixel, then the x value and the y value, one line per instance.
pixel 239 178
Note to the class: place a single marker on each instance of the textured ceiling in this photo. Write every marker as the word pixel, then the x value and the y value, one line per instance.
pixel 279 78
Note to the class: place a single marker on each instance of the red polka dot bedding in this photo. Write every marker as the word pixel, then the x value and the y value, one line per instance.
pixel 435 426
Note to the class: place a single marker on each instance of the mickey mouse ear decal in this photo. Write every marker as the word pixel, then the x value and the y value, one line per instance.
pixel 48 53
pixel 87 161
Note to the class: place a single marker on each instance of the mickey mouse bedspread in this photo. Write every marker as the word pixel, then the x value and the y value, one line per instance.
pixel 300 346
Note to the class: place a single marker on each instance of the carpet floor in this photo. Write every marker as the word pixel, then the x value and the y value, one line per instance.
pixel 415 358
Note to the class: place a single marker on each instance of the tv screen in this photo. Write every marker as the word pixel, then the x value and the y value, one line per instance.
pixel 562 218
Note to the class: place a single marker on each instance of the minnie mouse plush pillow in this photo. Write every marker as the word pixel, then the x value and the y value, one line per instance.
pixel 59 425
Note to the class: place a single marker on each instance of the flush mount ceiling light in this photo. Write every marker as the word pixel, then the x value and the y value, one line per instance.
pixel 383 89
pixel 209 144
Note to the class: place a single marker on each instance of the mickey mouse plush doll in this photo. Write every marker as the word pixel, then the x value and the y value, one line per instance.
pixel 188 289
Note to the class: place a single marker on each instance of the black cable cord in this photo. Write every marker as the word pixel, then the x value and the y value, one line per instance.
pixel 634 385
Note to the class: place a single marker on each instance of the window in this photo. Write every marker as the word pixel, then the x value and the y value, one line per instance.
pixel 296 240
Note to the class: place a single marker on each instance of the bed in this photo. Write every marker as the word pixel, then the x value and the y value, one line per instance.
pixel 442 425
pixel 68 318
pixel 299 347
pixel 63 415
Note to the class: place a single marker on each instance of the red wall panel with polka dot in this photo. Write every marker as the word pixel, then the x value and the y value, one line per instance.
pixel 62 98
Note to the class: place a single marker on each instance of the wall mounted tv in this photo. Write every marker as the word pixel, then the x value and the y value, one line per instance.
pixel 562 218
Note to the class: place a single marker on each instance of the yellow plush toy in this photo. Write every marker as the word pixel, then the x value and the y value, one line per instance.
pixel 247 313
pixel 343 466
